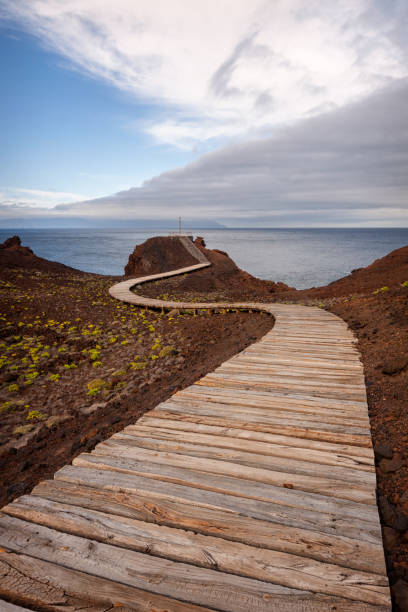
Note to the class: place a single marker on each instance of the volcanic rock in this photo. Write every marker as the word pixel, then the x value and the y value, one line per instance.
pixel 162 254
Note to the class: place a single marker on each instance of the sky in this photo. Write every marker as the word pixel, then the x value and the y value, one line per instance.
pixel 250 113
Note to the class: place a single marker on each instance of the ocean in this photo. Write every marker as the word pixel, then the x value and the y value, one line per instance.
pixel 298 257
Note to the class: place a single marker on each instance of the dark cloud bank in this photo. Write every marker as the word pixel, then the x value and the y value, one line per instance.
pixel 345 167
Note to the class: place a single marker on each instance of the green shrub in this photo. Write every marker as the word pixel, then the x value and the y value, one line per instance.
pixel 95 386
pixel 35 415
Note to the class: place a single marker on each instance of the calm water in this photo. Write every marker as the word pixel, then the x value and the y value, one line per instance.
pixel 299 257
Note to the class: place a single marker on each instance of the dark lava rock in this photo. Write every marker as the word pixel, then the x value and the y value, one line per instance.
pixel 11 242
pixel 400 592
pixel 391 537
pixel 401 521
pixel 14 244
pixel 383 451
pixel 199 242
pixel 16 489
pixel 394 365
pixel 387 511
pixel 391 465
pixel 391 516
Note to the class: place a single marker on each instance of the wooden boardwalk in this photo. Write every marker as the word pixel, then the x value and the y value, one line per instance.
pixel 252 489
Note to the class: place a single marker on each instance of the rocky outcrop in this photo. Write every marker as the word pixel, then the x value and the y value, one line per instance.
pixel 159 254
pixel 14 255
pixel 163 254
pixel 14 244
pixel 381 275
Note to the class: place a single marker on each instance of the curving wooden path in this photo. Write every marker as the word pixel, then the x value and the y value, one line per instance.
pixel 252 489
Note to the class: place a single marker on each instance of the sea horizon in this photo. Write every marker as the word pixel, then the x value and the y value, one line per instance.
pixel 300 257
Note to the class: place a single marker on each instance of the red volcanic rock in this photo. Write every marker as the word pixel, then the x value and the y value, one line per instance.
pixel 13 255
pixel 159 254
pixel 163 254
pixel 384 272
pixel 14 244
pixel 199 242
pixel 11 242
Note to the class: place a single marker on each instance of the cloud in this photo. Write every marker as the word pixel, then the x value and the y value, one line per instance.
pixel 224 69
pixel 346 167
pixel 20 198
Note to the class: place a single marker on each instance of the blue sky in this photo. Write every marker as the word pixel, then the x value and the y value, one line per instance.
pixel 245 112
pixel 65 132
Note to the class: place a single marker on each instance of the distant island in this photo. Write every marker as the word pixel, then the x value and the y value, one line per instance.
pixel 100 223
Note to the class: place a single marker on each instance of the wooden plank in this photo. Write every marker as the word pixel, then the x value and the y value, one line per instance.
pixel 278 389
pixel 309 368
pixel 235 486
pixel 225 524
pixel 233 430
pixel 327 350
pixel 244 373
pixel 36 579
pixel 313 456
pixel 298 398
pixel 263 510
pixel 300 361
pixel 268 384
pixel 297 427
pixel 203 551
pixel 266 404
pixel 235 455
pixel 303 352
pixel 9 607
pixel 294 372
pixel 48 586
pixel 211 588
pixel 323 486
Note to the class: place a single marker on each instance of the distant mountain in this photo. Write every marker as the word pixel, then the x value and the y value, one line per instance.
pixel 89 222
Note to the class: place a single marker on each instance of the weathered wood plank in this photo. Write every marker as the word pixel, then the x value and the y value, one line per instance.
pixel 48 586
pixel 62 589
pixel 311 484
pixel 260 374
pixel 301 361
pixel 235 455
pixel 267 511
pixel 293 373
pixel 225 524
pixel 244 382
pixel 9 607
pixel 233 430
pixel 299 398
pixel 326 432
pixel 265 404
pixel 202 551
pixel 239 487
pixel 179 580
pixel 313 456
